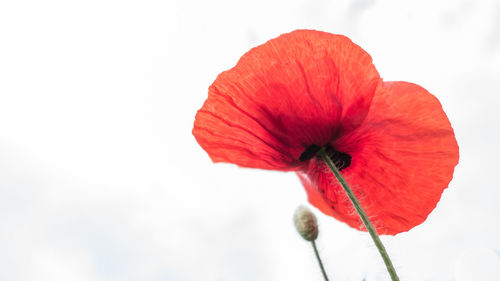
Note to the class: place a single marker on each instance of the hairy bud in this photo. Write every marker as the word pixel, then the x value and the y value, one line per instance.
pixel 305 223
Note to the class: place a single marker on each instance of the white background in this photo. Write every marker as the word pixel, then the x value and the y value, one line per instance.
pixel 101 179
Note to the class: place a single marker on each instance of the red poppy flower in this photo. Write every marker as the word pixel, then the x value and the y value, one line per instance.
pixel 304 90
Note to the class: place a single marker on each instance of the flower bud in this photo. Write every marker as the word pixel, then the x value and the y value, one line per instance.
pixel 305 223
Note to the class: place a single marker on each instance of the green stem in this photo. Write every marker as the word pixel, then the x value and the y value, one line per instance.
pixel 319 260
pixel 362 215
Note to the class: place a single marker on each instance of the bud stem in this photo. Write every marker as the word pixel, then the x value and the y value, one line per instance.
pixel 319 260
pixel 369 227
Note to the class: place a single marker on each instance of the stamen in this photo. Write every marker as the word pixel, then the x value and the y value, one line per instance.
pixel 341 160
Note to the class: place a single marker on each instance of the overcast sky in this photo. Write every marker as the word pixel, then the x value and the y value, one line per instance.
pixel 101 179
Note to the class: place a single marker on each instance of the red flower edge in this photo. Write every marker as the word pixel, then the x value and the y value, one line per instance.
pixel 311 88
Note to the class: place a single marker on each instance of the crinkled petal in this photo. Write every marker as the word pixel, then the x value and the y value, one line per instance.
pixel 403 157
pixel 305 87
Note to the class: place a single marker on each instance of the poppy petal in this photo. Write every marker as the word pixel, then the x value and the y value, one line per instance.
pixel 302 88
pixel 403 157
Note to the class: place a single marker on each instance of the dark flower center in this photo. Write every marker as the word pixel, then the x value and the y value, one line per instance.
pixel 341 160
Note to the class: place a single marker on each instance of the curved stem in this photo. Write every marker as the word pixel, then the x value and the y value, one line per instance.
pixel 319 260
pixel 369 227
